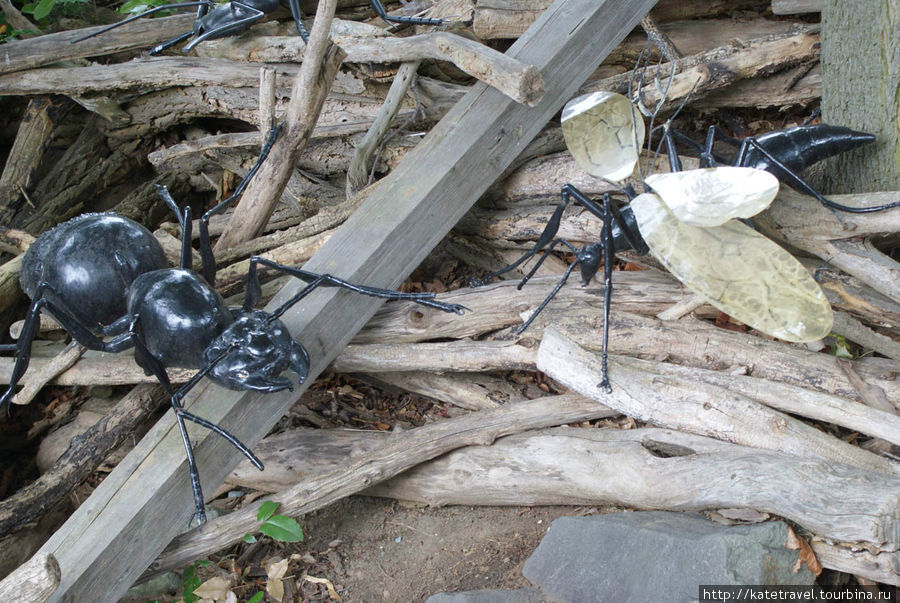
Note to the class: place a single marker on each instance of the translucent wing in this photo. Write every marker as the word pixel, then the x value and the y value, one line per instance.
pixel 712 196
pixel 739 271
pixel 604 134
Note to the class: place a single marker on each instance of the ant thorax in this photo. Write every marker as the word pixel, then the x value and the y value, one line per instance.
pixel 252 353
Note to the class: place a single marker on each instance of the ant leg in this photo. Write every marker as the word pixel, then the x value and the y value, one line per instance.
pixel 378 7
pixel 147 359
pixel 184 221
pixel 547 299
pixel 170 43
pixel 45 298
pixel 200 3
pixel 606 235
pixel 795 181
pixel 540 261
pixel 546 236
pixel 327 280
pixel 206 254
pixel 237 26
pixel 296 14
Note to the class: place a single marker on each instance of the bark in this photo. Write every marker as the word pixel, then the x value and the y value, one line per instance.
pixel 861 71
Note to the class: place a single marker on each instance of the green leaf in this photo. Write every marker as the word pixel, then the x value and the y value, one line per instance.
pixel 249 538
pixel 43 9
pixel 256 598
pixel 266 510
pixel 28 9
pixel 134 6
pixel 282 529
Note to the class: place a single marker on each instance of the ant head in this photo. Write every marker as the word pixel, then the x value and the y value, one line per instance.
pixel 259 348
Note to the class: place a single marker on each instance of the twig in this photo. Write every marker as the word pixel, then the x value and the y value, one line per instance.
pixel 266 102
pixel 402 451
pixel 358 170
pixel 658 37
pixel 521 82
pixel 311 86
pixel 37 379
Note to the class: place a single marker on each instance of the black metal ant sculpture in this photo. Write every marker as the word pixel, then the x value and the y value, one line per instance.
pixel 104 275
pixel 234 17
pixel 758 282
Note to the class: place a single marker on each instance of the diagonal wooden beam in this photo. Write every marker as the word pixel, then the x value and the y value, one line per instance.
pixel 146 501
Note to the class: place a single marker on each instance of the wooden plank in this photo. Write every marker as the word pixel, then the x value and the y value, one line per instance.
pixel 117 532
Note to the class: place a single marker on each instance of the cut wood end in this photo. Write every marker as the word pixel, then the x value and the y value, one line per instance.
pixel 34 580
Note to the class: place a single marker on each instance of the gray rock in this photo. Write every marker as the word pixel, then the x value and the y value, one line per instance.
pixel 522 595
pixel 657 556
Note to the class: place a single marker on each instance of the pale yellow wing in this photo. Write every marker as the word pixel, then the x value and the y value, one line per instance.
pixel 604 134
pixel 712 196
pixel 739 271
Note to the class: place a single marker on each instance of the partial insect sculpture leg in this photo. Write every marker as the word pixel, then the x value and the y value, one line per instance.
pixel 206 254
pixel 46 297
pixel 545 239
pixel 145 358
pixel 254 290
pixel 236 18
pixel 379 10
pixel 204 5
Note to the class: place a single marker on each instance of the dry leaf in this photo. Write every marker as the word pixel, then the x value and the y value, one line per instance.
pixel 215 589
pixel 332 594
pixel 807 555
pixel 275 571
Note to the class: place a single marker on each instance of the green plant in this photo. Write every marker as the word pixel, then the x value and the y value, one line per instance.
pixel 840 347
pixel 276 527
pixel 190 581
pixel 257 597
pixel 132 7
pixel 42 9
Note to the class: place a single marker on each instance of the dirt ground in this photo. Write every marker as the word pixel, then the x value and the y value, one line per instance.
pixel 391 551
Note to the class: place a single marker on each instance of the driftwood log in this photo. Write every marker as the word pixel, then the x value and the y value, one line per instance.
pixel 645 468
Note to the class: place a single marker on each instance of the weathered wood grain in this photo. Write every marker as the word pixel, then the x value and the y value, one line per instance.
pixel 684 404
pixel 52 48
pixel 401 219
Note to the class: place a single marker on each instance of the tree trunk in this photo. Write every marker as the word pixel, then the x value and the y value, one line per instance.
pixel 861 90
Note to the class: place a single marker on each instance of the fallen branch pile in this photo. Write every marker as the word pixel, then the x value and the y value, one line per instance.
pixel 733 419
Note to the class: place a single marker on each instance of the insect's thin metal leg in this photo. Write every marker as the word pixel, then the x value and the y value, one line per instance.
pixel 297 15
pixel 606 235
pixel 146 359
pixel 546 255
pixel 326 280
pixel 797 181
pixel 379 10
pixel 254 14
pixel 547 235
pixel 201 3
pixel 46 297
pixel 170 43
pixel 206 254
pixel 812 116
pixel 556 289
